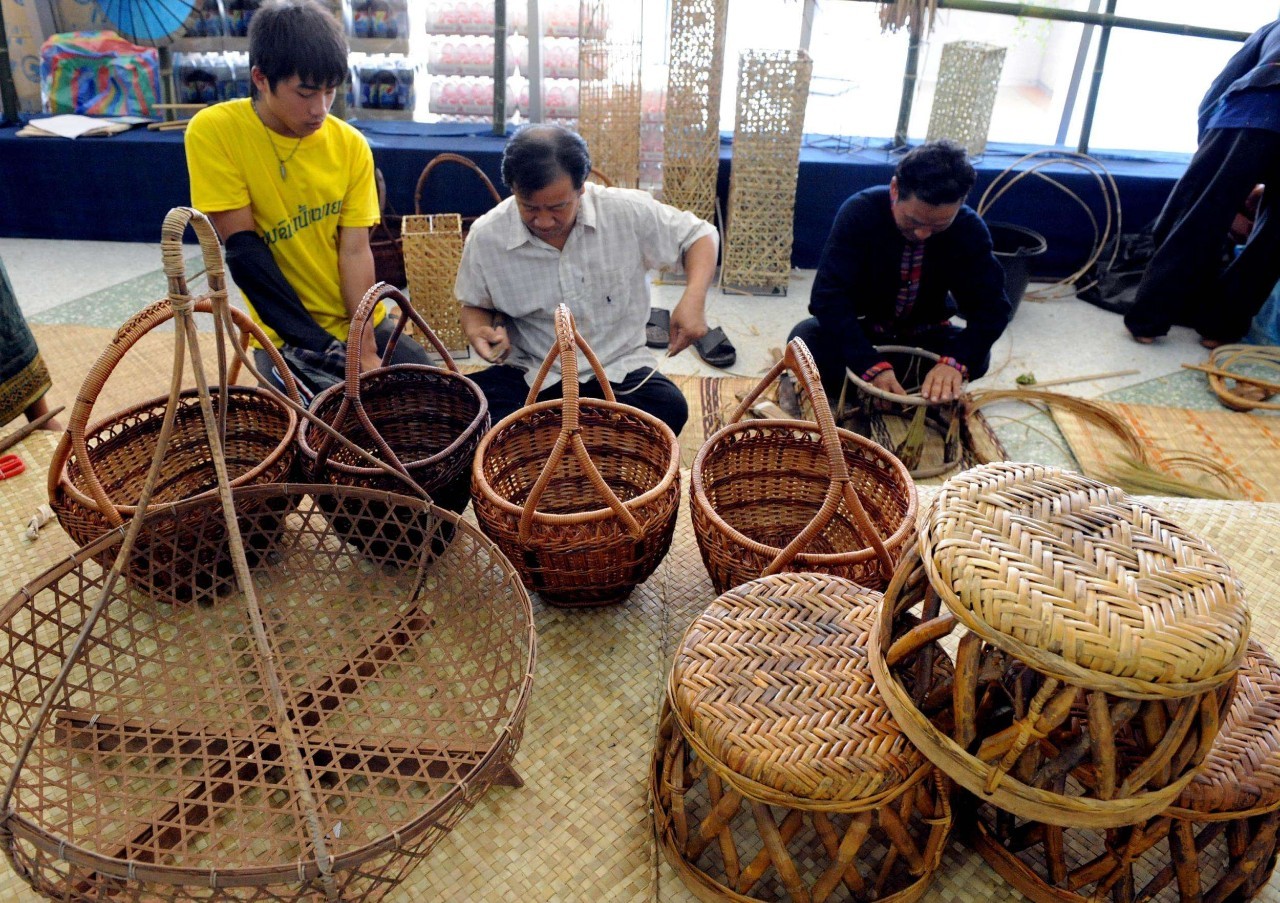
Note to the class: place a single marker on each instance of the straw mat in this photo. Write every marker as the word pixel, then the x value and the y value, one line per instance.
pixel 1246 444
pixel 579 828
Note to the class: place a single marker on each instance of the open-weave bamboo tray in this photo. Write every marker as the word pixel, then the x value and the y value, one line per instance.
pixel 581 494
pixel 789 495
pixel 1099 649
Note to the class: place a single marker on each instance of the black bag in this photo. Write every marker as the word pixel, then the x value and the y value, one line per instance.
pixel 1111 284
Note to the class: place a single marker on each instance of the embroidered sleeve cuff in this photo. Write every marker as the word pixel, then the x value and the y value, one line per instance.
pixel 872 372
pixel 952 362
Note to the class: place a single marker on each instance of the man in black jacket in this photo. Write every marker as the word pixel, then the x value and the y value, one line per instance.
pixel 900 261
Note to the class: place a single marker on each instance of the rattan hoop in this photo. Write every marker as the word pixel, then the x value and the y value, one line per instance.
pixel 540 470
pixel 768 496
pixel 1225 357
pixel 98 470
pixel 943 418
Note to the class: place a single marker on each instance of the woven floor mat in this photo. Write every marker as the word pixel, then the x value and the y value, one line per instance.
pixel 1248 444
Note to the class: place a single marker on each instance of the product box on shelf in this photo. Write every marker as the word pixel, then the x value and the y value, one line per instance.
pixel 380 19
pixel 385 83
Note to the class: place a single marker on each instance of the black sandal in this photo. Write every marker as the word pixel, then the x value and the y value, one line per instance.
pixel 657 332
pixel 716 349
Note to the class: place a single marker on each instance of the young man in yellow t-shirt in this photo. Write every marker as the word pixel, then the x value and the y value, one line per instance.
pixel 290 190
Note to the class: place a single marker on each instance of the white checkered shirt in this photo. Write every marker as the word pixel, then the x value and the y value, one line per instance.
pixel 602 275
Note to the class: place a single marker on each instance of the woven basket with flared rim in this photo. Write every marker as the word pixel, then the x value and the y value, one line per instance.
pixel 1100 649
pixel 789 495
pixel 581 495
pixel 425 421
pixel 1217 842
pixel 159 772
pixel 98 470
pixel 770 703
pixel 911 365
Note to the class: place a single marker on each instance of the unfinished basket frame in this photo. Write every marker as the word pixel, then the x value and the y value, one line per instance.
pixel 968 82
pixel 942 418
pixel 534 476
pixel 768 496
pixel 773 88
pixel 104 697
pixel 814 781
pixel 432 255
pixel 1049 717
pixel 1218 843
pixel 691 121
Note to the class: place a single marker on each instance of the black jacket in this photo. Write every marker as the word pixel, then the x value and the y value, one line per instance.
pixel 858 277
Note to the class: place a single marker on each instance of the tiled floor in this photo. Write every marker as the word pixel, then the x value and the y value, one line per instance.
pixel 102 283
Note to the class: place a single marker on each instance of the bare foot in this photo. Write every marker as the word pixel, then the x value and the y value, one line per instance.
pixel 1210 343
pixel 1251 392
pixel 1143 339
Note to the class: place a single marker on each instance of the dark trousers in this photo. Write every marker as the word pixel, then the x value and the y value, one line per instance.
pixel 506 390
pixel 315 380
pixel 828 351
pixel 1185 283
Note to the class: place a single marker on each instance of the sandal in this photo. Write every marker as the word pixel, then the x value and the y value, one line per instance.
pixel 716 349
pixel 657 332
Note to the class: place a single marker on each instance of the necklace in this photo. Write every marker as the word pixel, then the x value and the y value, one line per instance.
pixel 272 142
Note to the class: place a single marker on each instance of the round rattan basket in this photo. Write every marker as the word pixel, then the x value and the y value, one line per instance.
pixel 424 421
pixel 98 469
pixel 768 496
pixel 159 771
pixel 581 494
pixel 1096 645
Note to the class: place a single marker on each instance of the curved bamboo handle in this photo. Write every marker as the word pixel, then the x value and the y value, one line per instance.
pixel 361 321
pixel 568 340
pixel 800 362
pixel 450 158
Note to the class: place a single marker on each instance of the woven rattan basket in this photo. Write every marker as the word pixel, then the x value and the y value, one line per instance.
pixel 1096 644
pixel 769 496
pixel 424 421
pixel 98 470
pixel 420 190
pixel 581 494
pixel 310 736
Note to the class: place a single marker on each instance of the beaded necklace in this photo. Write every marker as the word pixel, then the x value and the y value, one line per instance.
pixel 271 141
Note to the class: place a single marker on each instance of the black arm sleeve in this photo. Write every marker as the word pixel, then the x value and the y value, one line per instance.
pixel 275 300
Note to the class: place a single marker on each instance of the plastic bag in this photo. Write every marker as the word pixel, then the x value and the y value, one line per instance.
pixel 98 73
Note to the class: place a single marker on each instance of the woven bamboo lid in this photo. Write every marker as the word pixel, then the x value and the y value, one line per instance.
pixel 772 688
pixel 1241 775
pixel 1079 580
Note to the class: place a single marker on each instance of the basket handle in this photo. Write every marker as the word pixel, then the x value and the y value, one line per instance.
pixel 799 361
pixel 568 340
pixel 361 321
pixel 125 338
pixel 450 158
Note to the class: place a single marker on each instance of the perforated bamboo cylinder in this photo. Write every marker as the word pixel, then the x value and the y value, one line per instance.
pixel 432 253
pixel 968 79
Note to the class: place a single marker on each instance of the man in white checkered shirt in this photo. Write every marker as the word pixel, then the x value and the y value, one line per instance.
pixel 560 239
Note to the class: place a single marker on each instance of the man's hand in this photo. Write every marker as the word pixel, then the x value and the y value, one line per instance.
pixel 688 323
pixel 942 383
pixel 886 381
pixel 369 357
pixel 491 343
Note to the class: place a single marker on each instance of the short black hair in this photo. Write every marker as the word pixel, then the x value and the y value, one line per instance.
pixel 298 37
pixel 938 172
pixel 538 154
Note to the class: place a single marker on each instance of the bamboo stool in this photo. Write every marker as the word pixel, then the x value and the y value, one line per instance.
pixel 1217 843
pixel 1099 655
pixel 910 365
pixel 776 749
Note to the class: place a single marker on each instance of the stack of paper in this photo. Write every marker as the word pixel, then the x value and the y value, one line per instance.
pixel 73 125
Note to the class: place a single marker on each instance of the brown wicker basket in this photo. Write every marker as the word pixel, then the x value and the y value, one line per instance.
pixel 768 496
pixel 424 421
pixel 1096 645
pixel 98 470
pixel 162 771
pixel 534 500
pixel 435 162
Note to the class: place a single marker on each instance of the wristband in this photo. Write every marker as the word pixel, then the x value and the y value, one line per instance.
pixel 952 362
pixel 874 371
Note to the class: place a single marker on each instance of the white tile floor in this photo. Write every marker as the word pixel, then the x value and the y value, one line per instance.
pixel 1053 339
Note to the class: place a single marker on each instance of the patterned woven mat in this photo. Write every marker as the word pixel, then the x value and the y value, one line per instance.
pixel 579 829
pixel 1249 444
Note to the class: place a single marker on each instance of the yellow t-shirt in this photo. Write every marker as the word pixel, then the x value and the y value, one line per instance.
pixel 329 184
